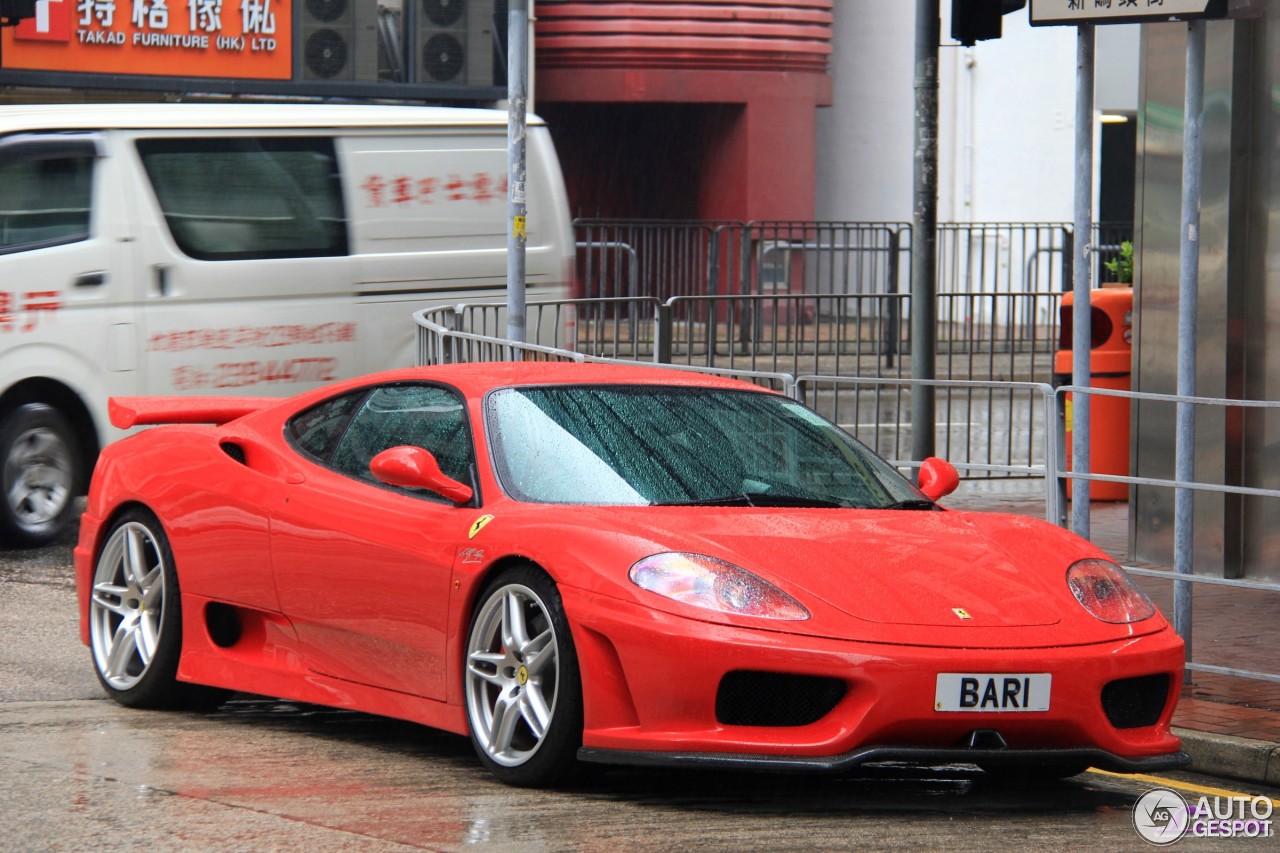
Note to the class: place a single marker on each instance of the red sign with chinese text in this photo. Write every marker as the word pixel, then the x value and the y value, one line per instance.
pixel 187 38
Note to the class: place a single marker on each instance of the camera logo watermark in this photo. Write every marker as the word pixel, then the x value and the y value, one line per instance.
pixel 1163 816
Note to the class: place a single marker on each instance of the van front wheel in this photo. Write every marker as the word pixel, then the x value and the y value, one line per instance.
pixel 38 451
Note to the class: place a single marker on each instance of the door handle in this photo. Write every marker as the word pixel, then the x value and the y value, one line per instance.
pixel 91 279
pixel 162 279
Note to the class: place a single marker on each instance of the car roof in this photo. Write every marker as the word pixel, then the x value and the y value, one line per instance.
pixel 82 117
pixel 478 377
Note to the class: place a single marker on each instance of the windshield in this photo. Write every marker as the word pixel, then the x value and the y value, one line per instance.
pixel 640 445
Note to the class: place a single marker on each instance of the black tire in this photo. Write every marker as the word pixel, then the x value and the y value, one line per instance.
pixel 135 619
pixel 40 475
pixel 524 704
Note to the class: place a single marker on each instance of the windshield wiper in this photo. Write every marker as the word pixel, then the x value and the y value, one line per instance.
pixel 913 503
pixel 757 499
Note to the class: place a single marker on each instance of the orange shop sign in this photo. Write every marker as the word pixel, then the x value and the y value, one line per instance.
pixel 171 38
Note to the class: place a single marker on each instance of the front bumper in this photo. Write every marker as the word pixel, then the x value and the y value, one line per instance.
pixel 651 682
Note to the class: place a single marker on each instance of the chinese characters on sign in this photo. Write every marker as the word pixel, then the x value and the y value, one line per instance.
pixel 1046 12
pixel 191 38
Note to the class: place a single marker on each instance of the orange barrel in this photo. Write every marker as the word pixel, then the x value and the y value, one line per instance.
pixel 1111 366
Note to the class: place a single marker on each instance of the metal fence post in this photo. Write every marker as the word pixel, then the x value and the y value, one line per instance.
pixel 890 347
pixel 662 333
pixel 1056 463
pixel 1068 257
pixel 1188 295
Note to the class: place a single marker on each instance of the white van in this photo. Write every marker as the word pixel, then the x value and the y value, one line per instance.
pixel 248 249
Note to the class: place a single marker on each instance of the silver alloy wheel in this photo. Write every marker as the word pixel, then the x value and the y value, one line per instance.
pixel 513 668
pixel 39 472
pixel 127 608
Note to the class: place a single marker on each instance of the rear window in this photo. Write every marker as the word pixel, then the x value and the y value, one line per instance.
pixel 238 198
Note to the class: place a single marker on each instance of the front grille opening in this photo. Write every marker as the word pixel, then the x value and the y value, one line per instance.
pixel 1131 703
pixel 750 698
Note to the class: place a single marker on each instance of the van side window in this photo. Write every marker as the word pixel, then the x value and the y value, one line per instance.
pixel 238 197
pixel 44 202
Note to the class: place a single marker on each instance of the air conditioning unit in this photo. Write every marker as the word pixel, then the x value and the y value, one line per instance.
pixel 455 41
pixel 339 40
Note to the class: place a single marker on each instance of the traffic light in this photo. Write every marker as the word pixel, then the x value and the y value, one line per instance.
pixel 12 11
pixel 978 20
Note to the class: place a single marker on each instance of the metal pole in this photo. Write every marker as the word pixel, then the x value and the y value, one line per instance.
pixel 1081 375
pixel 517 211
pixel 924 223
pixel 1188 297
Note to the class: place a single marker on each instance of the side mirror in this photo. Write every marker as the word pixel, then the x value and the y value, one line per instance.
pixel 414 467
pixel 938 478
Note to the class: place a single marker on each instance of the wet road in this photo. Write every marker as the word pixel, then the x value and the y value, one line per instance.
pixel 81 773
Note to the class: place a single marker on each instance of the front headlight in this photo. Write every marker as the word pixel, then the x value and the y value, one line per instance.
pixel 1106 591
pixel 712 584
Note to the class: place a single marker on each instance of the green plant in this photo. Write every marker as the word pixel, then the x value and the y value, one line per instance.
pixel 1121 266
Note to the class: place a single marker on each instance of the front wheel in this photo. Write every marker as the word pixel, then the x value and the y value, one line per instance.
pixel 40 457
pixel 135 619
pixel 523 690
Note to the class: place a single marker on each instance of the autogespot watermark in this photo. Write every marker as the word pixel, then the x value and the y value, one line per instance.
pixel 1162 816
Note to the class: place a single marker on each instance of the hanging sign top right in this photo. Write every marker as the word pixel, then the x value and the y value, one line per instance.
pixel 1076 12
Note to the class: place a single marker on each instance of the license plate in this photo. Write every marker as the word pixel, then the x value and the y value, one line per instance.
pixel 986 691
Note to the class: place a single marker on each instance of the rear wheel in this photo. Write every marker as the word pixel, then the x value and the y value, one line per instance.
pixel 523 691
pixel 135 619
pixel 39 453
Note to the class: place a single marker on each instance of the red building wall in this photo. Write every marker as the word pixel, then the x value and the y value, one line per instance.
pixel 685 109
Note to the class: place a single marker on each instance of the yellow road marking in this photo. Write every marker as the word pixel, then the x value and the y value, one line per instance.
pixel 1162 782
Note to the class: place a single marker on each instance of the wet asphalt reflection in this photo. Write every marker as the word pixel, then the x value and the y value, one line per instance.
pixel 263 774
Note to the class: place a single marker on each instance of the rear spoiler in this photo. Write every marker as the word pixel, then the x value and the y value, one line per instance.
pixel 126 412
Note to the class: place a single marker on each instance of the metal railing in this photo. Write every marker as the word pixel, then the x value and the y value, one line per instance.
pixel 855 334
pixel 662 259
pixel 1183 582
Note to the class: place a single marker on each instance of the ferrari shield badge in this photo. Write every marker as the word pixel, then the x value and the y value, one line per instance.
pixel 478 525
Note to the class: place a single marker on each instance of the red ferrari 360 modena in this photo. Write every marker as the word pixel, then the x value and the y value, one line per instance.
pixel 597 563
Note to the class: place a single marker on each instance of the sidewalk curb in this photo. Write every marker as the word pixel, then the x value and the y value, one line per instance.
pixel 1232 757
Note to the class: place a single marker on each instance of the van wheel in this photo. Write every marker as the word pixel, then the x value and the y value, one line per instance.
pixel 38 450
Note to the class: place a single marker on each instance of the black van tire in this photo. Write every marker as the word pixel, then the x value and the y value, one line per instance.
pixel 39 475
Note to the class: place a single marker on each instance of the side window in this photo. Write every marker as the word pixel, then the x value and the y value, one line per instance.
pixel 237 197
pixel 44 202
pixel 348 432
pixel 317 430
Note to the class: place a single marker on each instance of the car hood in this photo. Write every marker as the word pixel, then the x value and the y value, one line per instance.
pixel 903 576
pixel 899 567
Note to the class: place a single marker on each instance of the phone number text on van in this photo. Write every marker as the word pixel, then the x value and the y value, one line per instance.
pixel 238 374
